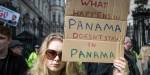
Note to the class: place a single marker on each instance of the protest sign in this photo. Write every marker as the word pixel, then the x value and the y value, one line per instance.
pixel 106 36
pixel 94 30
pixel 9 16
pixel 91 51
pixel 102 9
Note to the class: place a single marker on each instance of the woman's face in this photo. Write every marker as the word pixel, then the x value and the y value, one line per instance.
pixel 128 43
pixel 54 54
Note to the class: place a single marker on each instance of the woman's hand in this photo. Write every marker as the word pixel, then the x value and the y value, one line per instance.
pixel 119 66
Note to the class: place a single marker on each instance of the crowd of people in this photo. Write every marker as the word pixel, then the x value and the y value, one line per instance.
pixel 47 59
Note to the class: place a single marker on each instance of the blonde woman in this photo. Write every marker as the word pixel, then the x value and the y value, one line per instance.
pixel 49 60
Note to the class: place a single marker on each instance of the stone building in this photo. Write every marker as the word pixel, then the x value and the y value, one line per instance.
pixel 34 21
pixel 57 15
pixel 139 22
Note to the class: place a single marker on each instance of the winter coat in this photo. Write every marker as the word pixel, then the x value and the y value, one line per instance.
pixel 131 58
pixel 98 68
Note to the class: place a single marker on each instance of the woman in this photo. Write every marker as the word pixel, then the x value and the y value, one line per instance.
pixel 131 56
pixel 49 60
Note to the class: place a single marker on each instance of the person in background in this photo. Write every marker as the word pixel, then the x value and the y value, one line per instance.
pixel 13 20
pixel 16 47
pixel 9 64
pixel 145 50
pixel 107 69
pixel 130 56
pixel 33 56
pixel 148 65
pixel 49 60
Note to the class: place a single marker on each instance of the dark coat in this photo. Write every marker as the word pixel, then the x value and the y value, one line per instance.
pixel 13 65
pixel 98 68
pixel 131 58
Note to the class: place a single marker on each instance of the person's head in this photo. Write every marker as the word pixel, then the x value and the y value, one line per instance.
pixel 5 38
pixel 49 59
pixel 127 43
pixel 14 17
pixel 54 53
pixel 50 55
pixel 16 47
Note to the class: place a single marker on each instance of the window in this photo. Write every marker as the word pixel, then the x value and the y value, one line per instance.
pixel 59 19
pixel 59 2
pixel 54 17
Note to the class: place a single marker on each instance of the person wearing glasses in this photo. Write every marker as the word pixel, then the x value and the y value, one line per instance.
pixel 49 60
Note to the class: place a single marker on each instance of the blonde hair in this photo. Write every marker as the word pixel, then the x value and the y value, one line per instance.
pixel 40 66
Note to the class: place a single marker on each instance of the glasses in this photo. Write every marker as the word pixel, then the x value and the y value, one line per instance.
pixel 51 54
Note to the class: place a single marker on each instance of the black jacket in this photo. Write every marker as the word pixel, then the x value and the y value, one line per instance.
pixel 131 58
pixel 98 68
pixel 13 65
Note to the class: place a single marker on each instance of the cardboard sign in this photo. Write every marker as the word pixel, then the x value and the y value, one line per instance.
pixel 91 51
pixel 94 30
pixel 106 36
pixel 9 16
pixel 82 28
pixel 102 9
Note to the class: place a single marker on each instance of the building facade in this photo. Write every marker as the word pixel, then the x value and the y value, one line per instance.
pixel 139 22
pixel 34 21
pixel 57 15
